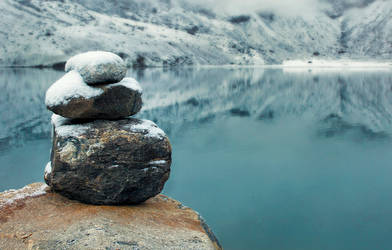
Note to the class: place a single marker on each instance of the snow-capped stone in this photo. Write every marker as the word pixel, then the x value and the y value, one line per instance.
pixel 98 67
pixel 71 97
pixel 108 162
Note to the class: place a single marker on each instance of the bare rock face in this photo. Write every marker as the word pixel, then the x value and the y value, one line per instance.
pixel 108 162
pixel 36 218
pixel 71 97
pixel 98 67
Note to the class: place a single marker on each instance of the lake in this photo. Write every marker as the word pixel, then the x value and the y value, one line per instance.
pixel 272 158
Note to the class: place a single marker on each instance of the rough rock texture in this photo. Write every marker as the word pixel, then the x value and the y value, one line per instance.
pixel 108 162
pixel 71 97
pixel 98 67
pixel 36 218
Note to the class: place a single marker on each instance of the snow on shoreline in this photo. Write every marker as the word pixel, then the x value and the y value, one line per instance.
pixel 326 66
pixel 336 64
pixel 304 64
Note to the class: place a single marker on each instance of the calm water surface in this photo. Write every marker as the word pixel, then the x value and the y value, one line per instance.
pixel 271 158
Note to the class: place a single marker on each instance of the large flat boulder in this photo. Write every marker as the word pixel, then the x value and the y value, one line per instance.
pixel 108 161
pixel 36 218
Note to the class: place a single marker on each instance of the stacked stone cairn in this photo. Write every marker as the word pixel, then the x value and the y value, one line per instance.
pixel 101 155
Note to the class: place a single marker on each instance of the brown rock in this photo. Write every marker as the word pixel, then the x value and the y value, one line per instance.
pixel 108 162
pixel 36 218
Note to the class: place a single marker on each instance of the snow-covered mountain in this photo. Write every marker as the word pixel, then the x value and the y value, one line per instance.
pixel 183 32
pixel 368 31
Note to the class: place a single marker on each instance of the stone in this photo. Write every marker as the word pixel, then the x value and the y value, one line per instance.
pixel 108 161
pixel 34 217
pixel 98 67
pixel 71 97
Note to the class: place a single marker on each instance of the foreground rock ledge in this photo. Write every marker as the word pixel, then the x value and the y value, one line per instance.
pixel 36 218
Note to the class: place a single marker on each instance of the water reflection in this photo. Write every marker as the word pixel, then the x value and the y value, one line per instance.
pixel 22 109
pixel 175 98
pixel 359 99
pixel 273 159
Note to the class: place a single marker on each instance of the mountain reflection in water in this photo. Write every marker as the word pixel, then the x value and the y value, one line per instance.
pixel 272 158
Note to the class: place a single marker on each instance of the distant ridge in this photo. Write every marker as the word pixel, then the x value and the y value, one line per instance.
pixel 171 33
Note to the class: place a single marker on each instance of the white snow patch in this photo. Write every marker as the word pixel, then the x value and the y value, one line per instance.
pixel 23 193
pixel 150 168
pixel 70 86
pixel 92 58
pixel 148 127
pixel 67 130
pixel 129 83
pixel 48 168
pixel 159 162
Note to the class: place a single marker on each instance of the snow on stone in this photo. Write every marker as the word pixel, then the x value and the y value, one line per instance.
pixel 12 195
pixel 64 128
pixel 154 169
pixel 159 162
pixel 48 168
pixel 148 127
pixel 128 82
pixel 70 86
pixel 92 58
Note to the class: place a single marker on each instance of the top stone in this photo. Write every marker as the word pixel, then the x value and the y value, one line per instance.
pixel 98 67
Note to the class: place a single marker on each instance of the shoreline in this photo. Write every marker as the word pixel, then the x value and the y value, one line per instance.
pixel 309 64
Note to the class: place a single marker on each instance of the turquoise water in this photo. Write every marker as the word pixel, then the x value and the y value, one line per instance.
pixel 271 158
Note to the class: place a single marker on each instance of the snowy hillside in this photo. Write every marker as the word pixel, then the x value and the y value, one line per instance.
pixel 368 31
pixel 179 32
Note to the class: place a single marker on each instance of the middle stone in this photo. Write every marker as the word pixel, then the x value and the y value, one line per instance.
pixel 71 97
pixel 108 162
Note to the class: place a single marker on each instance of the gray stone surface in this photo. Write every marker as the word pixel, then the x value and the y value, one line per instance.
pixel 98 67
pixel 108 162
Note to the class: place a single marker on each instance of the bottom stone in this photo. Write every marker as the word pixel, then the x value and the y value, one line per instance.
pixel 108 162
pixel 36 218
